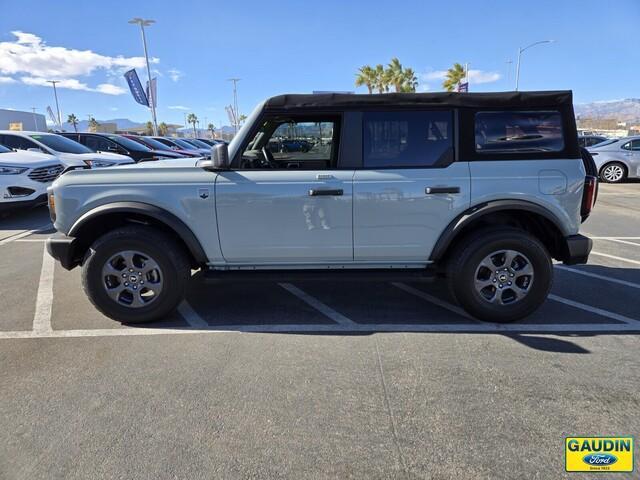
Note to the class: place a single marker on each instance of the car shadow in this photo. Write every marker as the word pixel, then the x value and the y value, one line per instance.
pixel 19 220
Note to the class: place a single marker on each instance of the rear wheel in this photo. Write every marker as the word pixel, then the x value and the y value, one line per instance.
pixel 500 275
pixel 614 172
pixel 135 274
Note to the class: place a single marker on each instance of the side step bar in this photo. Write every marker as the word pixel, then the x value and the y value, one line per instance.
pixel 388 275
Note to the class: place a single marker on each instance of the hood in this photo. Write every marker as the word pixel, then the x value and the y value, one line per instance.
pixel 166 153
pixel 74 159
pixel 28 159
pixel 168 163
pixel 107 157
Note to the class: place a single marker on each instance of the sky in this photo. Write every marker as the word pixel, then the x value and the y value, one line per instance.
pixel 298 47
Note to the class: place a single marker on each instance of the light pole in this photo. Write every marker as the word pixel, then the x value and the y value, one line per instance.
pixel 145 23
pixel 235 102
pixel 520 51
pixel 55 94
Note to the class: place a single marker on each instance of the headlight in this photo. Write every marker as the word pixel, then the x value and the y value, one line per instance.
pixel 6 170
pixel 98 163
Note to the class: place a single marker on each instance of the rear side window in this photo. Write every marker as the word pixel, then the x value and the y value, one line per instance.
pixel 518 132
pixel 632 145
pixel 407 139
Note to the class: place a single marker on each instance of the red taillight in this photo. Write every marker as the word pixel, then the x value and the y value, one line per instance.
pixel 589 194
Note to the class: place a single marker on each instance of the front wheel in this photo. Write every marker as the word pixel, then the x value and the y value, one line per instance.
pixel 500 275
pixel 135 274
pixel 613 172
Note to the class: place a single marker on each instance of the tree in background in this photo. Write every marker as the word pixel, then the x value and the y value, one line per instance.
pixel 93 124
pixel 241 119
pixel 395 74
pixel 454 75
pixel 163 129
pixel 366 76
pixel 148 128
pixel 409 81
pixel 212 130
pixel 382 79
pixel 73 120
pixel 192 119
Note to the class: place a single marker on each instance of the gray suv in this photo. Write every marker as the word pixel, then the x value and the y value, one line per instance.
pixel 481 189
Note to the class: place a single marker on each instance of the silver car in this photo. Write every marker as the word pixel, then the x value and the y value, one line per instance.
pixel 617 160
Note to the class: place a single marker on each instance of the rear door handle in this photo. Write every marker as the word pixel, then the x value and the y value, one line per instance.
pixel 326 191
pixel 436 190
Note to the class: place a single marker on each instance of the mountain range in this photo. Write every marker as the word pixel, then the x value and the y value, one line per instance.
pixel 627 110
pixel 125 124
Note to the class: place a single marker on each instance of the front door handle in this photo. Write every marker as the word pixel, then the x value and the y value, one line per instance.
pixel 436 190
pixel 326 191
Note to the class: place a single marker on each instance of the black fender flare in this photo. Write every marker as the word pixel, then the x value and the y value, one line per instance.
pixel 478 211
pixel 148 210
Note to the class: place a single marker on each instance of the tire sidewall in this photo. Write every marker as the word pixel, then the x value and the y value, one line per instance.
pixel 95 260
pixel 619 164
pixel 464 287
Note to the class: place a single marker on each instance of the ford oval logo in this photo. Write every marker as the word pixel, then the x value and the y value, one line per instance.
pixel 600 459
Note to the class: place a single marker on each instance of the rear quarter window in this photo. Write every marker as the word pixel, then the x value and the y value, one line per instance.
pixel 518 132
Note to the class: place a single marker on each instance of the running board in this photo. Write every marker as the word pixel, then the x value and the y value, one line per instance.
pixel 379 275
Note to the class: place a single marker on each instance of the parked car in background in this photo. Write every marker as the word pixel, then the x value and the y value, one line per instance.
pixel 197 143
pixel 25 176
pixel 70 153
pixel 158 146
pixel 617 160
pixel 209 141
pixel 105 142
pixel 586 141
pixel 398 194
pixel 180 144
pixel 171 146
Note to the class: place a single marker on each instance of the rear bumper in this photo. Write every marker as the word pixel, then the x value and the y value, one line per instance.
pixel 62 248
pixel 578 248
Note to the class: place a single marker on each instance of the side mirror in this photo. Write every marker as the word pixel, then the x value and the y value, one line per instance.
pixel 219 158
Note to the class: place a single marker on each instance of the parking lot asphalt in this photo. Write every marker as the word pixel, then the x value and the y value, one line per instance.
pixel 316 380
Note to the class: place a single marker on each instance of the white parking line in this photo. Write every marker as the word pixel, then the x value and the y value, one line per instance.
pixel 190 316
pixel 335 328
pixel 599 277
pixel 611 238
pixel 626 242
pixel 26 233
pixel 596 310
pixel 317 304
pixel 614 257
pixel 44 298
pixel 432 299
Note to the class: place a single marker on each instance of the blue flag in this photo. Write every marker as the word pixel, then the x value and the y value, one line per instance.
pixel 136 87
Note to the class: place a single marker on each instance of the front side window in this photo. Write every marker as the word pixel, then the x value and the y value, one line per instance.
pixel 293 144
pixel 518 132
pixel 632 145
pixel 98 144
pixel 407 139
pixel 19 143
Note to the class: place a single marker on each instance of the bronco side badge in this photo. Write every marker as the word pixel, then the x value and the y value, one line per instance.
pixel 203 193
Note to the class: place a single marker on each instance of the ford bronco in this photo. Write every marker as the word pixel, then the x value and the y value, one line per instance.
pixel 482 190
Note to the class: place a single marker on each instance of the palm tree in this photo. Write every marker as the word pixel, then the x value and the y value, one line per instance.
pixel 454 75
pixel 212 129
pixel 409 81
pixel 148 128
pixel 241 119
pixel 192 119
pixel 395 74
pixel 382 79
pixel 73 120
pixel 366 76
pixel 163 129
pixel 93 124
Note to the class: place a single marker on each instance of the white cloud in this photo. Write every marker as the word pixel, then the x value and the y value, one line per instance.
pixel 74 84
pixel 475 76
pixel 178 107
pixel 175 74
pixel 7 80
pixel 30 56
pixel 113 109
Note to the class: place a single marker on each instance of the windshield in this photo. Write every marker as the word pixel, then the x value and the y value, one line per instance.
pixel 61 144
pixel 4 149
pixel 129 144
pixel 183 144
pixel 244 130
pixel 153 143
pixel 602 144
pixel 198 143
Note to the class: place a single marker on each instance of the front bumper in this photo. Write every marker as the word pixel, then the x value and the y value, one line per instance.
pixel 62 248
pixel 577 249
pixel 15 203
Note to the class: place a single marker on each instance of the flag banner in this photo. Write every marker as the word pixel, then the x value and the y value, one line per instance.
pixel 231 114
pixel 136 87
pixel 463 87
pixel 52 116
pixel 152 93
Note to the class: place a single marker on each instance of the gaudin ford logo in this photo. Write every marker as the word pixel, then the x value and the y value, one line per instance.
pixel 599 454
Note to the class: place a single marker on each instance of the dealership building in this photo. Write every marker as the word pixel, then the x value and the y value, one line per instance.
pixel 17 120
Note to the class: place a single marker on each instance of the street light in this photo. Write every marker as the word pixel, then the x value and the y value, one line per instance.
pixel 145 23
pixel 55 94
pixel 235 102
pixel 520 50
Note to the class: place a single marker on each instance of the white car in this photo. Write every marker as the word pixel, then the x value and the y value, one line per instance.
pixel 24 178
pixel 71 153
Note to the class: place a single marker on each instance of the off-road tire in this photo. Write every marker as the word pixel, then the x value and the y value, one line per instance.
pixel 474 248
pixel 169 255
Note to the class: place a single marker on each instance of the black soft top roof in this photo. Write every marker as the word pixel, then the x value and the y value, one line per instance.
pixel 439 99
